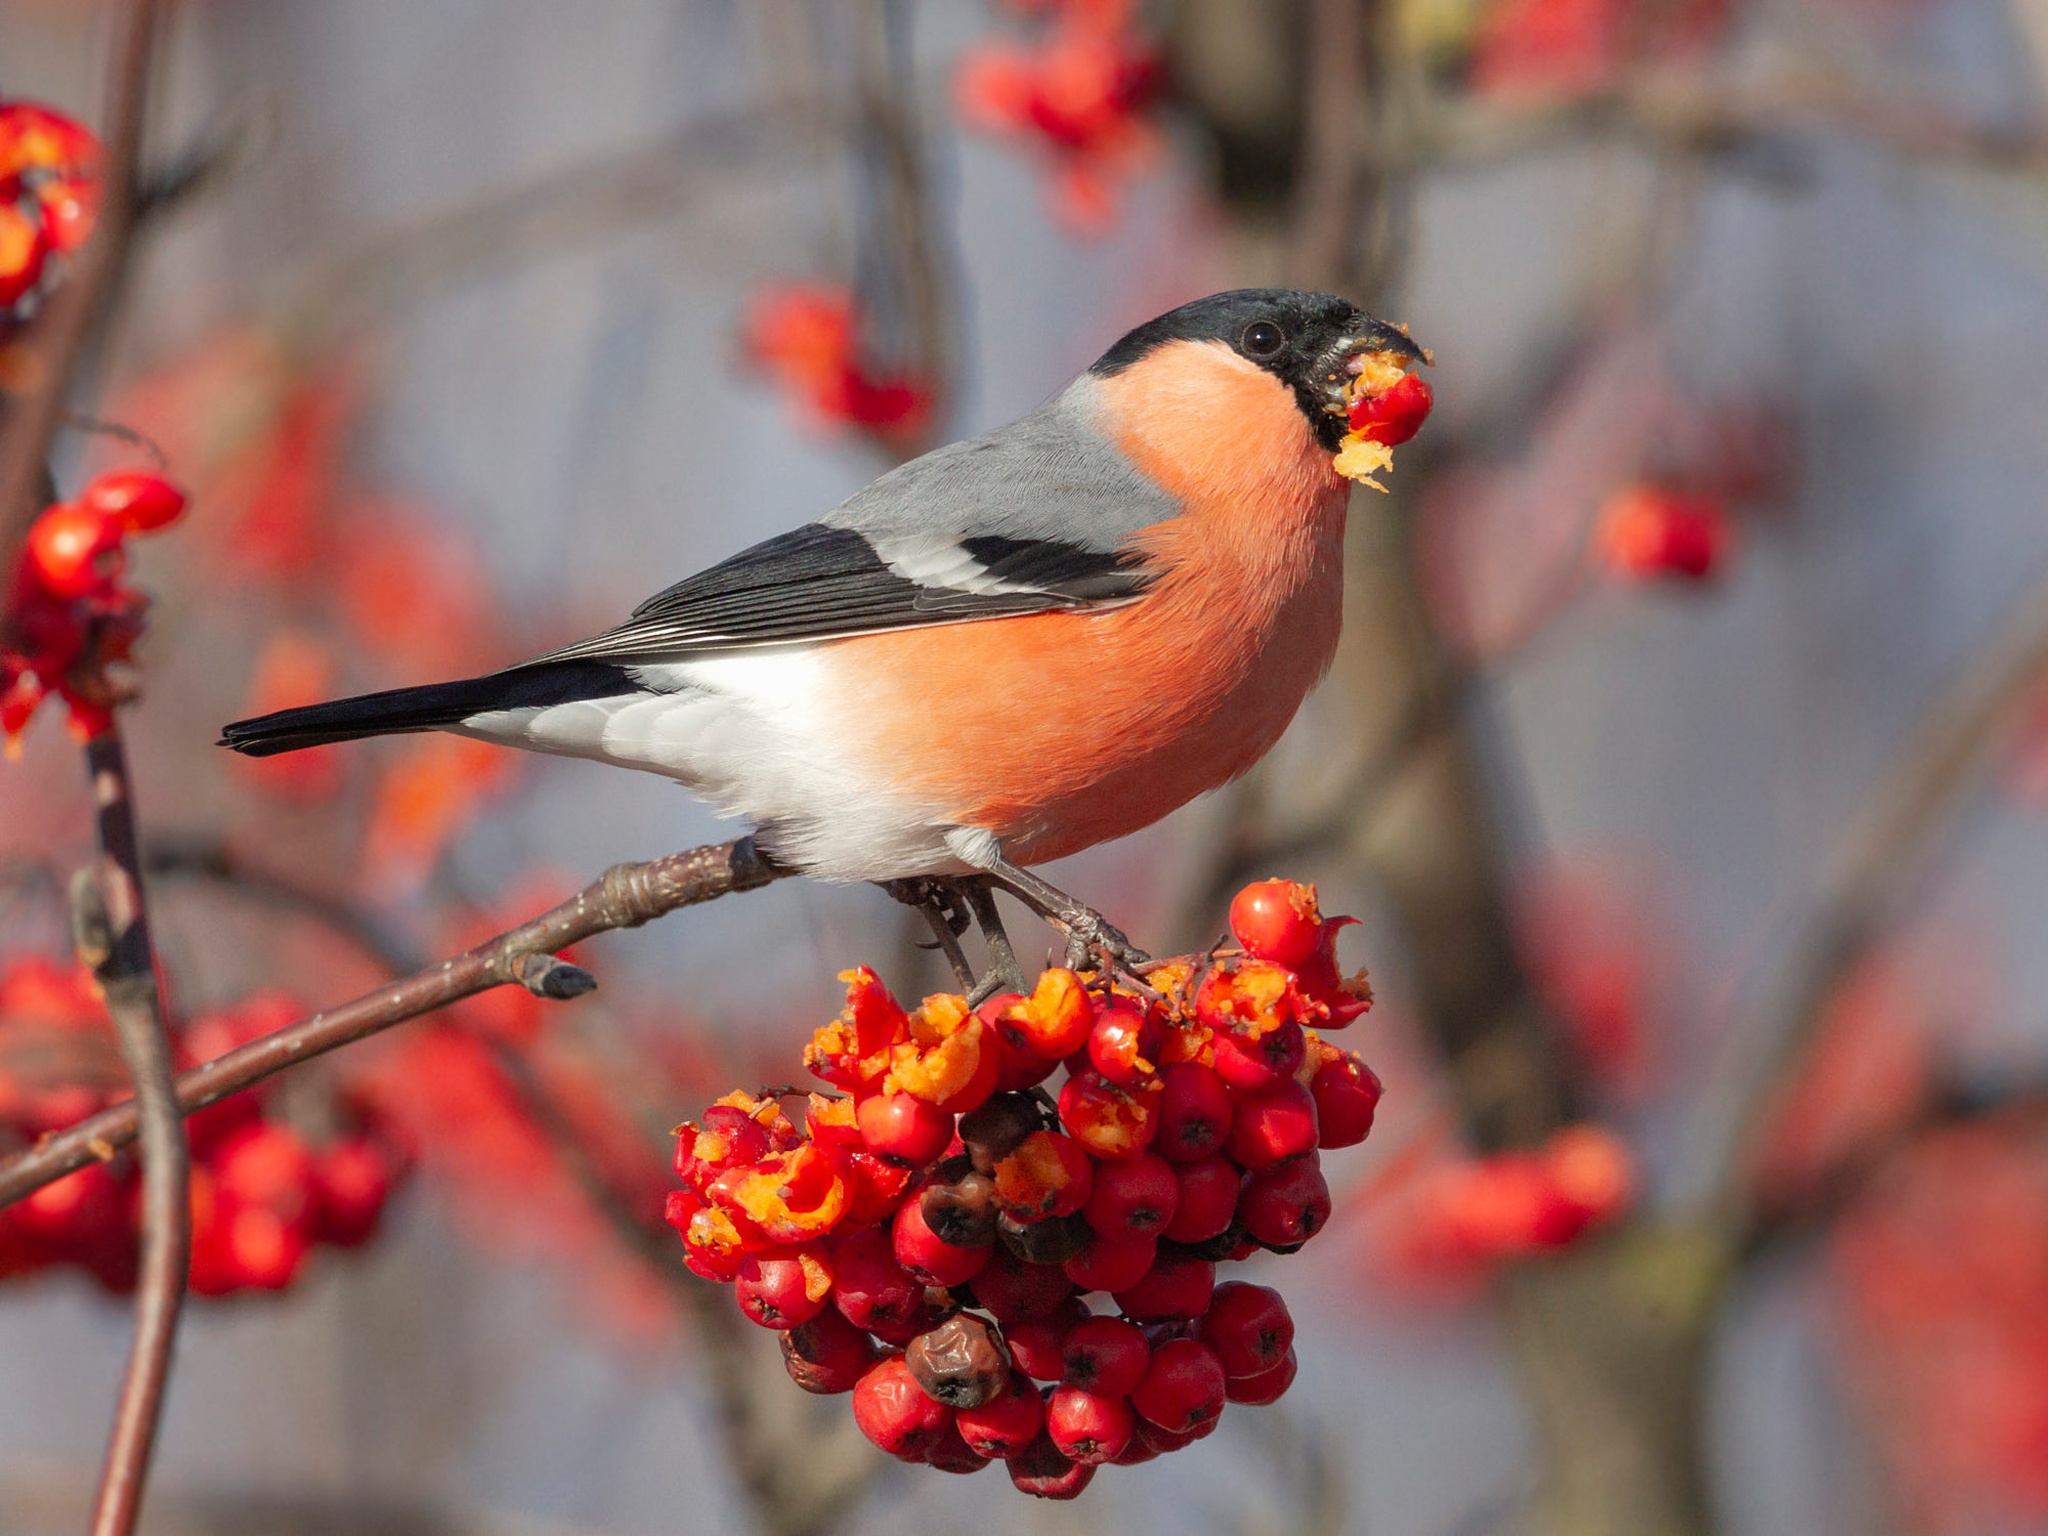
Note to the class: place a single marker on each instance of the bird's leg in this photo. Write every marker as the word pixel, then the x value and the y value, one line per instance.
pixel 941 903
pixel 1086 929
pixel 1001 974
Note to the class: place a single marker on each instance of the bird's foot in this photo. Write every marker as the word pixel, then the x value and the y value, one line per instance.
pixel 945 907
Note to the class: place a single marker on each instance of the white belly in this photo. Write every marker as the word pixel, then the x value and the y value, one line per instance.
pixel 751 732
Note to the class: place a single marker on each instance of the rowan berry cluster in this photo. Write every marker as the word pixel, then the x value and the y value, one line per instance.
pixel 1081 91
pixel 264 1194
pixel 70 615
pixel 925 1241
pixel 48 195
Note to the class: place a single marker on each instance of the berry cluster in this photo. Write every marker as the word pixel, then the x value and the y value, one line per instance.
pixel 48 195
pixel 1385 406
pixel 263 1194
pixel 1081 92
pixel 1652 532
pixel 1470 1213
pixel 70 615
pixel 925 1241
pixel 810 337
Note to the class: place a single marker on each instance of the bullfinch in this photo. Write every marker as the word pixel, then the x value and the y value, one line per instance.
pixel 1000 653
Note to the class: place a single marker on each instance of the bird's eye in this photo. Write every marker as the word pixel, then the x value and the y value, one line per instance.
pixel 1262 338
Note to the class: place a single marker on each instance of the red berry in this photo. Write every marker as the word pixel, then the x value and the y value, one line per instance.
pixel 1112 1123
pixel 729 1138
pixel 353 1180
pixel 1248 1327
pixel 1109 1264
pixel 1088 1429
pixel 1347 1092
pixel 1277 920
pixel 1177 1285
pixel 1393 415
pixel 1013 1291
pixel 74 552
pixel 1259 1062
pixel 1284 1207
pixel 827 1354
pixel 1648 531
pixel 893 1410
pixel 903 1127
pixel 1165 1441
pixel 1133 1199
pixel 1183 1386
pixel 1266 1387
pixel 901 1332
pixel 1125 1043
pixel 1035 1346
pixel 952 1453
pixel 24 249
pixel 139 501
pixel 1106 1355
pixel 1043 1470
pixel 1007 1423
pixel 1194 1112
pixel 874 1187
pixel 1208 1199
pixel 1269 1128
pixel 868 1286
pixel 924 1257
pixel 775 1289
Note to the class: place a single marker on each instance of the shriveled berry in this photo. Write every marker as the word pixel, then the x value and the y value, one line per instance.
pixel 1268 1128
pixel 924 1256
pixel 1347 1092
pixel 1013 1291
pixel 960 1363
pixel 1111 1264
pixel 778 1290
pixel 868 1286
pixel 903 1128
pixel 1248 1327
pixel 1051 1241
pixel 1007 1423
pixel 1206 1200
pixel 1106 1355
pixel 1044 1471
pixel 998 1127
pixel 827 1355
pixel 1194 1112
pixel 1125 1043
pixel 1176 1286
pixel 1266 1387
pixel 1254 1062
pixel 1112 1123
pixel 895 1412
pixel 1088 1429
pixel 1277 920
pixel 961 1212
pixel 1133 1199
pixel 1284 1207
pixel 1183 1386
pixel 1035 1346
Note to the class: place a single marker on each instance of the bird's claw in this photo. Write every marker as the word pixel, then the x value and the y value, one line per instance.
pixel 1091 937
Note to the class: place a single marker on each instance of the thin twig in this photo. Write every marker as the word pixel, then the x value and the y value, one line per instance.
pixel 627 896
pixel 57 341
pixel 112 926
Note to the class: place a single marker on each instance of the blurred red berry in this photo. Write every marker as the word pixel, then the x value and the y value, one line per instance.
pixel 134 499
pixel 1649 532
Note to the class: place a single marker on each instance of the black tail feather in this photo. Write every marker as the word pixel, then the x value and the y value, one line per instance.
pixel 432 706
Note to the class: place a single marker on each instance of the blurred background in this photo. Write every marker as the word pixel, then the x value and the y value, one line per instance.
pixel 1685 759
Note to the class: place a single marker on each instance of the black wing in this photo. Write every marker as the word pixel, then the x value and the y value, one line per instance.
pixel 819 582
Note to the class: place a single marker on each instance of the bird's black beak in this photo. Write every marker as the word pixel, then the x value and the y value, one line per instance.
pixel 1341 361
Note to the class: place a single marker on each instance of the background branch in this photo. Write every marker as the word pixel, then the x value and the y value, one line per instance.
pixel 625 897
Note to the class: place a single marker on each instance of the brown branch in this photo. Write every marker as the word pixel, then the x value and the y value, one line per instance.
pixel 627 896
pixel 112 924
pixel 57 341
pixel 1892 842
